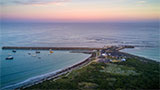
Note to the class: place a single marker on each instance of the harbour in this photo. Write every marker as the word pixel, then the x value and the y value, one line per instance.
pixel 34 66
pixel 93 52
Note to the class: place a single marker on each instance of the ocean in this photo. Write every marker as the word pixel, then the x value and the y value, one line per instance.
pixel 145 36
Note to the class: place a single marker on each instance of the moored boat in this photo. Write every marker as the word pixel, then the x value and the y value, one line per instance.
pixel 9 58
pixel 14 51
pixel 37 51
pixel 50 50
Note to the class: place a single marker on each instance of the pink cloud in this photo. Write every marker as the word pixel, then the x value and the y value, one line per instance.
pixel 31 2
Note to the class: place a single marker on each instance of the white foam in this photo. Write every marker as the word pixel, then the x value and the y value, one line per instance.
pixel 37 79
pixel 31 80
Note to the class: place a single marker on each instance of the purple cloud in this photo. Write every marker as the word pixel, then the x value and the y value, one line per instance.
pixel 28 2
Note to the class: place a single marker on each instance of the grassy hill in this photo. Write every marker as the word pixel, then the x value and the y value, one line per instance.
pixel 131 74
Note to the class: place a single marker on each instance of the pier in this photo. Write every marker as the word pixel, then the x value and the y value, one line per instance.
pixel 69 48
pixel 53 48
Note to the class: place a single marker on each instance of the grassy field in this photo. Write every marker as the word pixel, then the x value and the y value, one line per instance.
pixel 132 74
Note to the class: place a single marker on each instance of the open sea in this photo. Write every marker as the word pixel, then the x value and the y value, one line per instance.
pixel 146 36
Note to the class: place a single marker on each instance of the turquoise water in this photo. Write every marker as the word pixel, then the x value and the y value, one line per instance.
pixel 25 68
pixel 152 53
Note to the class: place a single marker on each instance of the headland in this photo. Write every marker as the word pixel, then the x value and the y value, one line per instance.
pixel 100 59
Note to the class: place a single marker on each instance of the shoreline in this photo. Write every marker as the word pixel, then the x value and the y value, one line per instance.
pixel 138 58
pixel 154 58
pixel 59 73
pixel 85 62
pixel 52 75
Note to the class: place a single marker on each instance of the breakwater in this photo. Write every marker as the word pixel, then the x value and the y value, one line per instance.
pixel 53 48
pixel 117 48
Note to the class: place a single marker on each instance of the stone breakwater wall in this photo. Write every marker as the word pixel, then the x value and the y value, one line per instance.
pixel 53 48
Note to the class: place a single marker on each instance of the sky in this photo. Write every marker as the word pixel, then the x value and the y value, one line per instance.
pixel 79 10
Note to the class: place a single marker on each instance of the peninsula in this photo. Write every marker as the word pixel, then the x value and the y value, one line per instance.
pixel 106 68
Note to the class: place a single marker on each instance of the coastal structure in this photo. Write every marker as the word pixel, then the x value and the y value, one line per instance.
pixel 109 52
pixel 96 53
pixel 52 48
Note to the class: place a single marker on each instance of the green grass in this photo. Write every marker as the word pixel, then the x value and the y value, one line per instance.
pixel 119 69
pixel 132 74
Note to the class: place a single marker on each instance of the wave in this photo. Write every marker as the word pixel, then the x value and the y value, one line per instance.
pixel 31 80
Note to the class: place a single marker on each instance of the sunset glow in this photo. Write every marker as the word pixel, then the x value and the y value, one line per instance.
pixel 79 10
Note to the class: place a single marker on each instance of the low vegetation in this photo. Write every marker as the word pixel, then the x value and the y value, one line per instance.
pixel 119 69
pixel 132 74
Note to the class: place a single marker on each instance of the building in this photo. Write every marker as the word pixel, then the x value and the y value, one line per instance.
pixel 123 59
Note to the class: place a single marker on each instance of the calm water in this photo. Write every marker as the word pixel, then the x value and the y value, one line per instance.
pixel 144 35
pixel 84 34
pixel 26 68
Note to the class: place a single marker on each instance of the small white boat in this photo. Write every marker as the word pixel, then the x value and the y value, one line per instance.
pixel 9 58
pixel 34 55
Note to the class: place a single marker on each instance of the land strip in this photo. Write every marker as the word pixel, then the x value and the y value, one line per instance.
pixel 53 48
